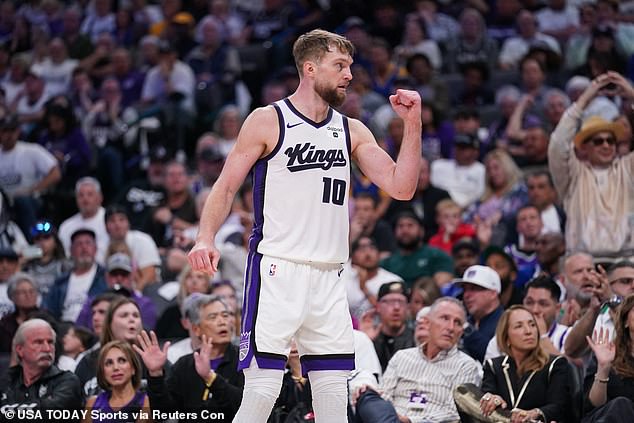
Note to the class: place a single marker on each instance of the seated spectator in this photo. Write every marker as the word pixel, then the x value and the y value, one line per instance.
pixel 430 86
pixel 437 133
pixel 417 41
pixel 119 376
pixel 533 82
pixel 143 250
pixel 423 203
pixel 190 344
pixel 558 19
pixel 550 247
pixel 67 295
pixel 481 286
pixel 504 194
pixel 56 69
pixel 23 293
pixel 542 194
pixel 419 381
pixel 544 394
pixel 129 77
pixel 464 176
pixel 529 226
pixel 189 282
pixel 49 262
pixel 206 379
pixel 38 172
pixel 29 104
pixel 225 290
pixel 178 208
pixel 227 125
pixel 100 19
pixel 465 253
pixel 383 70
pixel 75 342
pixel 107 127
pixel 364 277
pixel 413 258
pixel 608 382
pixel 507 98
pixel 91 215
pixel 500 261
pixel 366 221
pixel 169 89
pixel 596 194
pixel 514 48
pixel 471 44
pixel 424 293
pixel 36 383
pixel 392 333
pixel 542 299
pixel 122 323
pixel 452 228
pixel 119 279
pixel 474 90
pixel 63 137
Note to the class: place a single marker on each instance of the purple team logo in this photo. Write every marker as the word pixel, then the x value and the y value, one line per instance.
pixel 272 269
pixel 244 345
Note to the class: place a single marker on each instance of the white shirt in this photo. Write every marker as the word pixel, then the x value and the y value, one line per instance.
pixel 179 349
pixel 24 166
pixel 515 48
pixel 181 79
pixel 410 372
pixel 357 301
pixel 465 184
pixel 143 248
pixel 56 75
pixel 556 20
pixel 96 223
pixel 77 294
pixel 550 219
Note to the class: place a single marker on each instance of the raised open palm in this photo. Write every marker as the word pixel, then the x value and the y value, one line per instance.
pixel 150 352
pixel 603 348
pixel 202 358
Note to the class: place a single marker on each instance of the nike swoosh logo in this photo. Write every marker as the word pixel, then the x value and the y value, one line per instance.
pixel 289 126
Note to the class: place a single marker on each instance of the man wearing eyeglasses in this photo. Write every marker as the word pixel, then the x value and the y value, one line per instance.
pixel 593 183
pixel 393 332
pixel 616 284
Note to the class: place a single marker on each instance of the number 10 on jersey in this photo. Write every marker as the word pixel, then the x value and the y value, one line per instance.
pixel 334 191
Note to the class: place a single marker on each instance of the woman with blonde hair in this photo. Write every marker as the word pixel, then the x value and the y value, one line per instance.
pixel 189 281
pixel 526 380
pixel 505 192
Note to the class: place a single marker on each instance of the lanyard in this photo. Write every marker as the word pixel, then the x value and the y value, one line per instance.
pixel 505 368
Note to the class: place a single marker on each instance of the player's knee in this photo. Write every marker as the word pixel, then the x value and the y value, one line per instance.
pixel 333 381
pixel 265 382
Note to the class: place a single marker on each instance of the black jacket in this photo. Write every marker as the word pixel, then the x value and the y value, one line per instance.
pixel 548 389
pixel 55 389
pixel 184 389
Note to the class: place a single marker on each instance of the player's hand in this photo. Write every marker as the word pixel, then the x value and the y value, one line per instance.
pixel 406 104
pixel 204 257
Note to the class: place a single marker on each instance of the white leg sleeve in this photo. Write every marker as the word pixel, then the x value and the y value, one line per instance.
pixel 330 395
pixel 261 389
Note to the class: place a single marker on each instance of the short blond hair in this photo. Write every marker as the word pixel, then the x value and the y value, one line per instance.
pixel 315 44
pixel 447 204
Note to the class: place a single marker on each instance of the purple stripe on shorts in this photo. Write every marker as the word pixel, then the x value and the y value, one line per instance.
pixel 268 362
pixel 249 310
pixel 335 362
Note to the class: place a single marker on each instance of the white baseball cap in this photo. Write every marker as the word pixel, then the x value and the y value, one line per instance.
pixel 482 276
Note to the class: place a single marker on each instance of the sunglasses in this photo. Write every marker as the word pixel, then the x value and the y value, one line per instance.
pixel 598 141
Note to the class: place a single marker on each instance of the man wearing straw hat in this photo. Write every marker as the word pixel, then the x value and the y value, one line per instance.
pixel 593 183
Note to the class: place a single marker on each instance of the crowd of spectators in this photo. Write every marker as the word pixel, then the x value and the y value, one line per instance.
pixel 516 251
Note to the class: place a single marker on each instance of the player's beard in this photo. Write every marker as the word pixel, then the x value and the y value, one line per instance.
pixel 330 95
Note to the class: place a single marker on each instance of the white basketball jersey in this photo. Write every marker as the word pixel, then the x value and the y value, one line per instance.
pixel 300 190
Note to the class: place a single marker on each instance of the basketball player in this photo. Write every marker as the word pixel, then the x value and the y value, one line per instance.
pixel 300 150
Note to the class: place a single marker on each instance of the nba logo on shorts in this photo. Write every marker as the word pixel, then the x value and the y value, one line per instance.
pixel 272 270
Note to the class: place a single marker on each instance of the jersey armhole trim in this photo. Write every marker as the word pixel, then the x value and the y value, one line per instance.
pixel 280 139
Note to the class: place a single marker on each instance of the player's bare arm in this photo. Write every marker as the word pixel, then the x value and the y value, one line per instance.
pixel 398 179
pixel 252 143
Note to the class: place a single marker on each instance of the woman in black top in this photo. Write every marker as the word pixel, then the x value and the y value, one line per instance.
pixel 609 383
pixel 525 379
